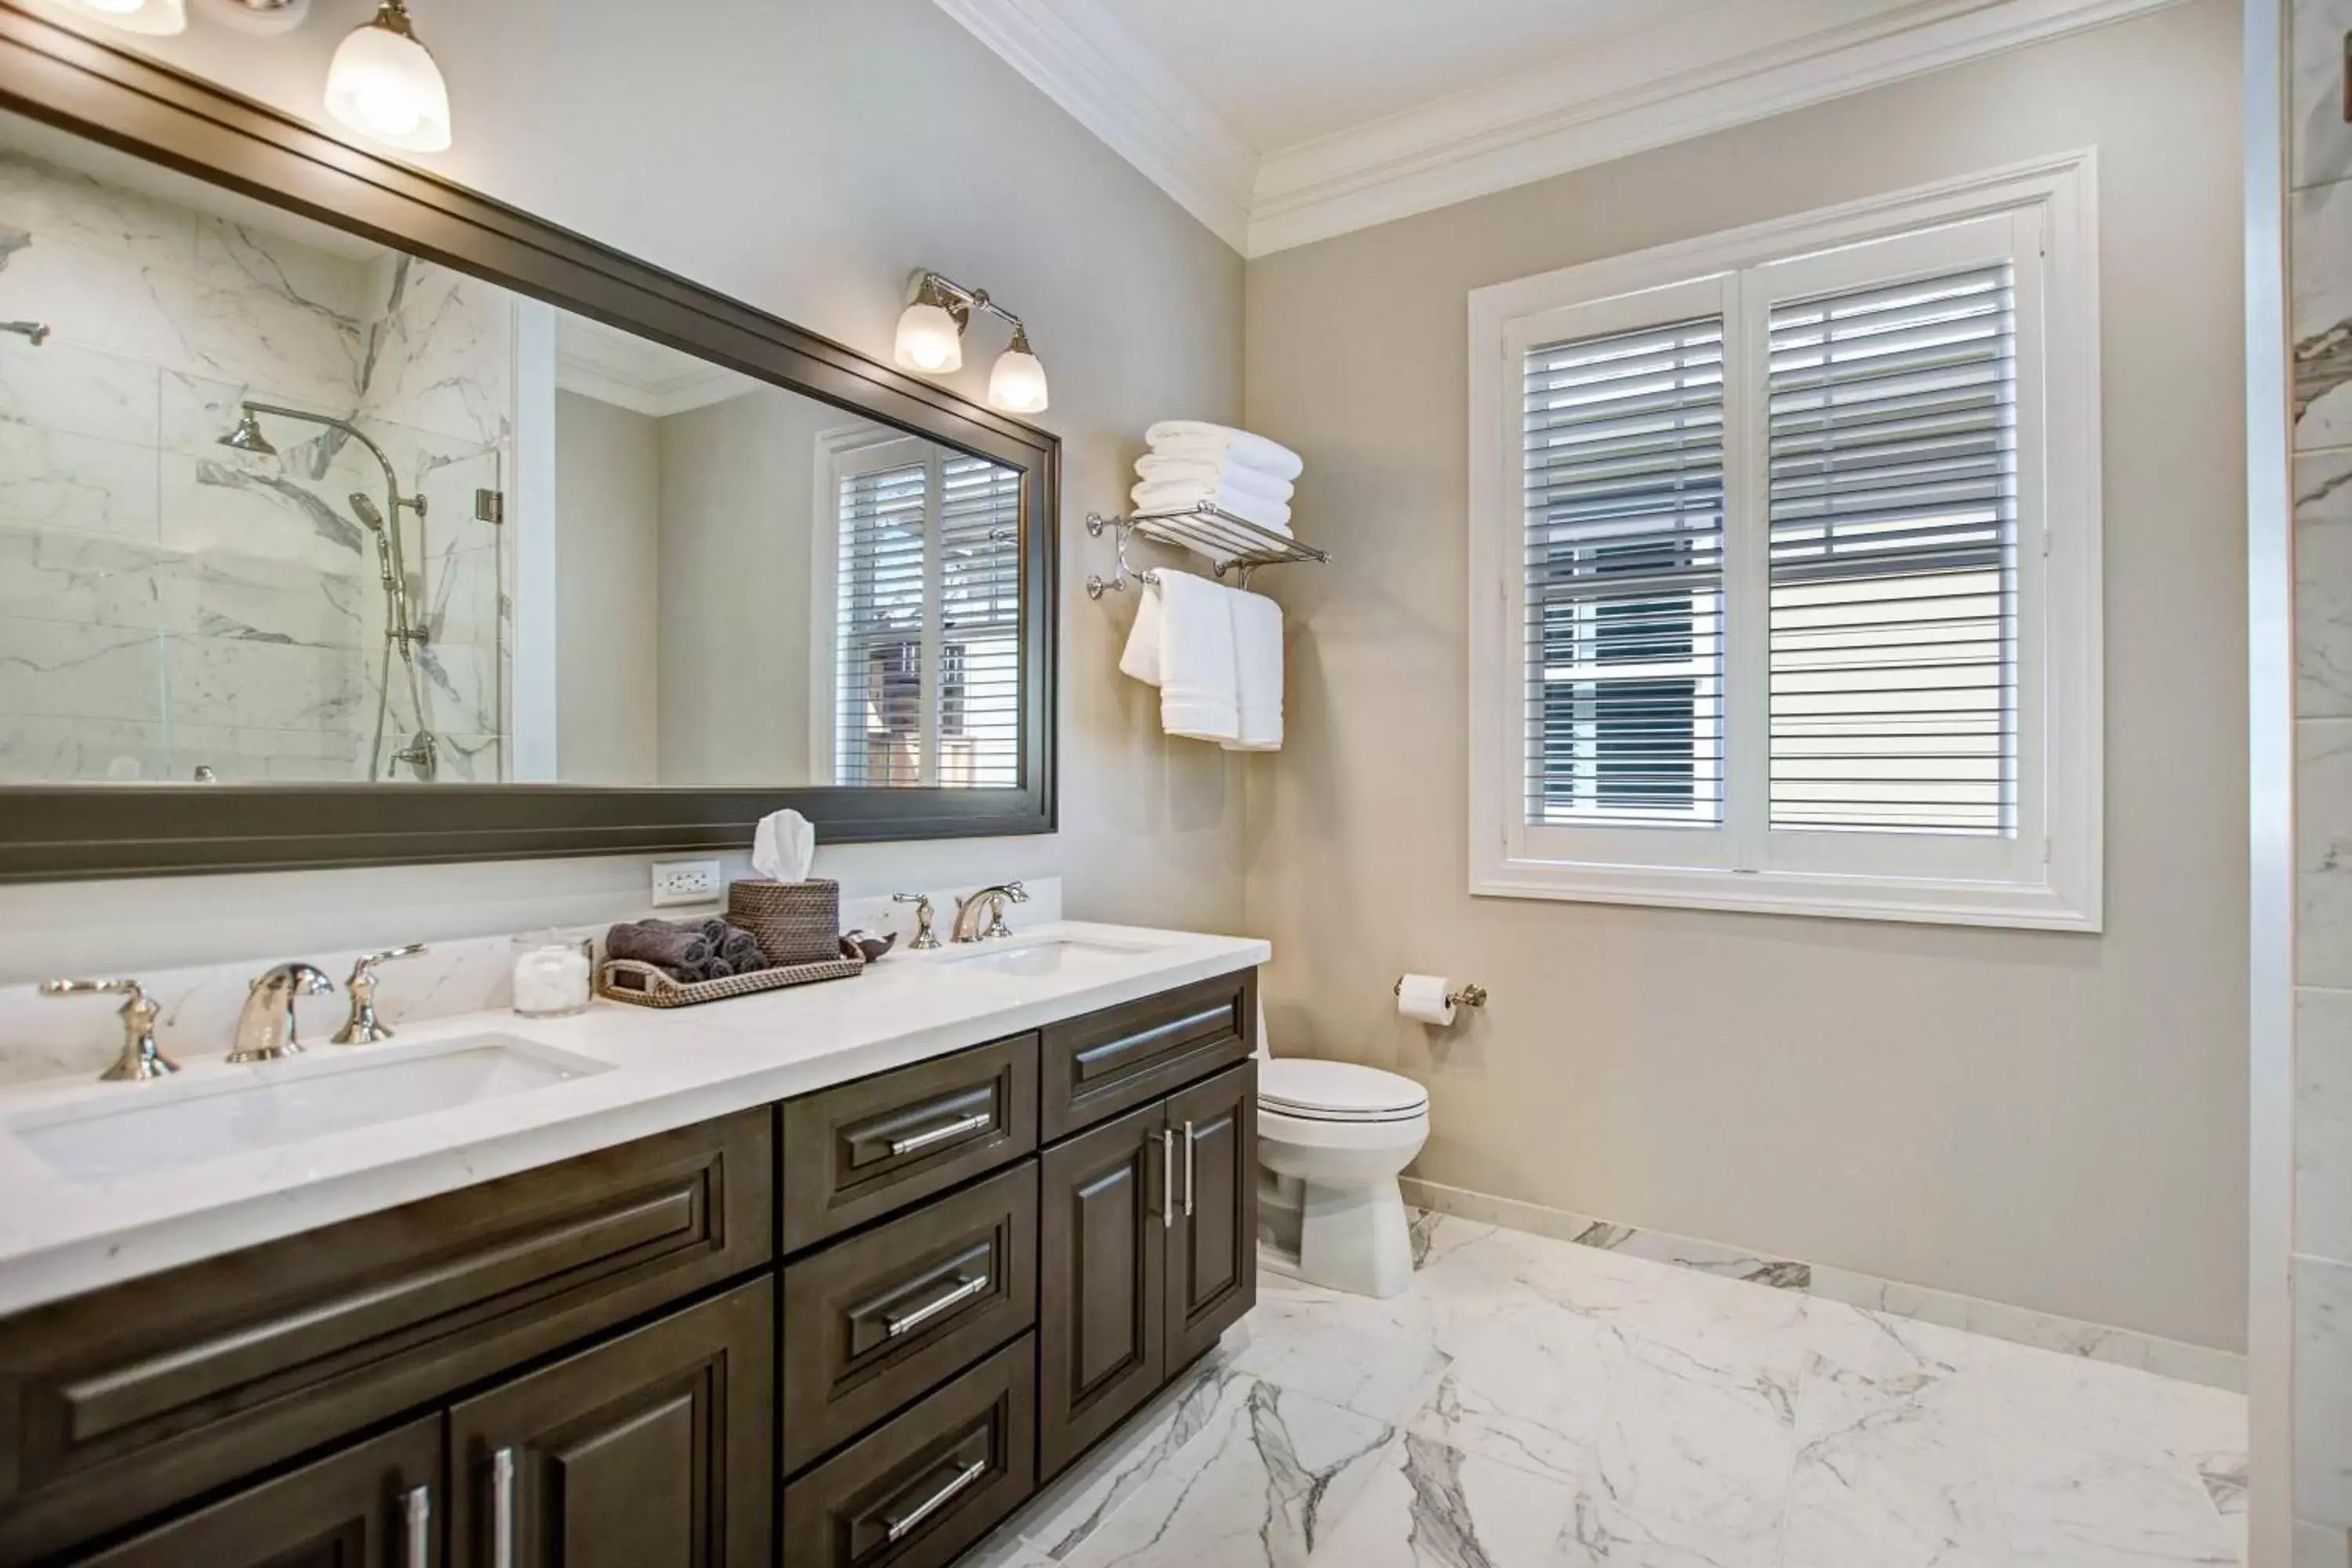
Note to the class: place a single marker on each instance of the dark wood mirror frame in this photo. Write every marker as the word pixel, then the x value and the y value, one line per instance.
pixel 68 831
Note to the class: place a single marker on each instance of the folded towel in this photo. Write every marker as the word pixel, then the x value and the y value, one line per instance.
pixel 1257 672
pixel 1140 657
pixel 1159 469
pixel 682 950
pixel 734 946
pixel 1184 495
pixel 1193 438
pixel 1198 695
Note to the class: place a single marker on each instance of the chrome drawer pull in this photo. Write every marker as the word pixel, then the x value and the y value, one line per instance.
pixel 502 1508
pixel 418 1507
pixel 1189 1146
pixel 1167 1180
pixel 978 1121
pixel 963 1290
pixel 906 1524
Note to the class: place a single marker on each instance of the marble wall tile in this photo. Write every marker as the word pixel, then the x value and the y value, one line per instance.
pixel 66 206
pixel 87 579
pixel 442 344
pixel 2323 852
pixel 56 480
pixel 252 507
pixel 2323 1125
pixel 2323 1407
pixel 2320 314
pixel 37 749
pixel 301 353
pixel 101 302
pixel 2323 587
pixel 63 671
pixel 241 755
pixel 258 683
pixel 2320 142
pixel 82 391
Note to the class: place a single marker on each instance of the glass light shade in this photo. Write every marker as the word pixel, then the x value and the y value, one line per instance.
pixel 157 17
pixel 929 340
pixel 1017 383
pixel 384 85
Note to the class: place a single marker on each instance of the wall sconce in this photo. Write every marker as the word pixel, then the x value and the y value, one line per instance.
pixel 156 18
pixel 930 343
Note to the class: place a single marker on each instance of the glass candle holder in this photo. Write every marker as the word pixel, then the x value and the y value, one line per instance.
pixel 553 973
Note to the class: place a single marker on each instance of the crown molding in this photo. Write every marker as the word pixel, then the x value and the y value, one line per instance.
pixel 1627 99
pixel 1117 87
pixel 636 374
pixel 1727 65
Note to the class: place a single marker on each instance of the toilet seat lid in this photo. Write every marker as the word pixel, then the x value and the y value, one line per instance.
pixel 1337 1091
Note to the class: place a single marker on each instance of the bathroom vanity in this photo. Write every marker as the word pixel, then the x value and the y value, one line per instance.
pixel 831 1277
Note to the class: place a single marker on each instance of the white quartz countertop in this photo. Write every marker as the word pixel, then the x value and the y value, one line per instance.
pixel 61 1235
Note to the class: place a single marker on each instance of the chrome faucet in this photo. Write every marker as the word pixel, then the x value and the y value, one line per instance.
pixel 363 1027
pixel 140 1060
pixel 925 938
pixel 989 901
pixel 265 1030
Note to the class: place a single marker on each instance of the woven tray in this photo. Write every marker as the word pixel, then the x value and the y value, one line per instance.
pixel 647 985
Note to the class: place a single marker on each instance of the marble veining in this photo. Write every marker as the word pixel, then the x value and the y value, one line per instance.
pixel 1581 1407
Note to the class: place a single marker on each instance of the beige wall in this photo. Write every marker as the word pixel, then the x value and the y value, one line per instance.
pixel 805 158
pixel 2054 1121
pixel 607 592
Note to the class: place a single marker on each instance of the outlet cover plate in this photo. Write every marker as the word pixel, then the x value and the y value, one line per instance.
pixel 688 882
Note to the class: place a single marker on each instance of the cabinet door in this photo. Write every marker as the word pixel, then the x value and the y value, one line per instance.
pixel 367 1507
pixel 1101 1302
pixel 651 1450
pixel 1212 1250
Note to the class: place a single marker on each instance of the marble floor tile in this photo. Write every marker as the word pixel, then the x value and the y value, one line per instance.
pixel 1534 1401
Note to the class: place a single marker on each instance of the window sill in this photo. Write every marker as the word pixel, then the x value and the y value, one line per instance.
pixel 1907 900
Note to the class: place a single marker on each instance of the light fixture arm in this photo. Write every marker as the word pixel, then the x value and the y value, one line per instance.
pixel 935 288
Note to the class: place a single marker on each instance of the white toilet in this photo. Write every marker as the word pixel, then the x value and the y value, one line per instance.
pixel 1334 1135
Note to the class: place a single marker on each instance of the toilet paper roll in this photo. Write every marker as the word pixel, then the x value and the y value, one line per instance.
pixel 1424 997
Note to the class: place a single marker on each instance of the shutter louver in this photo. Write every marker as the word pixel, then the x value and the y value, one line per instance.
pixel 878 734
pixel 1623 570
pixel 980 676
pixel 1893 610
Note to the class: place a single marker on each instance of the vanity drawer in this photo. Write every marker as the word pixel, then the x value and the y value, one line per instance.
pixel 119 1403
pixel 1119 1058
pixel 871 1322
pixel 939 1478
pixel 859 1151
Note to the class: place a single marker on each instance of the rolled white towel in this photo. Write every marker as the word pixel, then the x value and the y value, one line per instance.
pixel 1257 673
pixel 1157 469
pixel 1195 437
pixel 1150 497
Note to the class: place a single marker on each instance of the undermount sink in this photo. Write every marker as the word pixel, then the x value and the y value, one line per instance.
pixel 1053 955
pixel 159 1127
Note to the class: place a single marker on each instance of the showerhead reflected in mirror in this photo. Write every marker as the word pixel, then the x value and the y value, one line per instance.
pixel 286 505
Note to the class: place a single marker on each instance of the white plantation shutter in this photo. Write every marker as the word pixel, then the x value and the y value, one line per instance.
pixel 928 654
pixel 1893 447
pixel 1623 559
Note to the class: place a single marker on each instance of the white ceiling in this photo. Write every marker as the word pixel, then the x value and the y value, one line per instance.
pixel 1279 123
pixel 1285 71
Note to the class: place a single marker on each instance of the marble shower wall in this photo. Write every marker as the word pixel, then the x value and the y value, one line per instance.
pixel 166 603
pixel 2320 262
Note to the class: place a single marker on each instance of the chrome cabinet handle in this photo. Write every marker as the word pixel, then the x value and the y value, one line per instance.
pixel 1189 1146
pixel 963 1290
pixel 1167 1180
pixel 417 1509
pixel 905 1523
pixel 978 1121
pixel 502 1508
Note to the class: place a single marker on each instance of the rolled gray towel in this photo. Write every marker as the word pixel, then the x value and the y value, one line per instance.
pixel 738 947
pixel 682 950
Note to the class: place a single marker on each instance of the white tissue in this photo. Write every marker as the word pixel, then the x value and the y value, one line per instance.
pixel 783 846
pixel 1423 997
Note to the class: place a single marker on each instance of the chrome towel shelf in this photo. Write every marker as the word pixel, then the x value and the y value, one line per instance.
pixel 1231 543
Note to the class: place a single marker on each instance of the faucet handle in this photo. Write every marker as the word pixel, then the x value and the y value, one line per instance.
pixel 363 1027
pixel 925 938
pixel 141 1059
pixel 1017 892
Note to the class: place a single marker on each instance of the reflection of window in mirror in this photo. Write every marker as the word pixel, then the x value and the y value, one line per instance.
pixel 919 644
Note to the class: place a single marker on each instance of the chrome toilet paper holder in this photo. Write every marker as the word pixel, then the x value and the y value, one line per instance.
pixel 1468 996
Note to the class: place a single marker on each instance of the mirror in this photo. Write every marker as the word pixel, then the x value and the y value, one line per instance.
pixel 281 505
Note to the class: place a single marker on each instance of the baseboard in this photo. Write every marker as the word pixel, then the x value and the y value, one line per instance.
pixel 2045 1330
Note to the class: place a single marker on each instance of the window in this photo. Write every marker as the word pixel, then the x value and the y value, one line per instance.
pixel 1785 565
pixel 925 645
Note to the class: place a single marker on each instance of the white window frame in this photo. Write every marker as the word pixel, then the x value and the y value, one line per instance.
pixel 2050 875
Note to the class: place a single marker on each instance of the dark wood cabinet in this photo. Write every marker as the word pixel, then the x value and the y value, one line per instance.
pixel 652 1451
pixel 1212 1250
pixel 1143 1052
pixel 372 1506
pixel 1149 1247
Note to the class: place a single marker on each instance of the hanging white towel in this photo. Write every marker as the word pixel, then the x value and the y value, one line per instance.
pixel 1150 497
pixel 1159 469
pixel 1198 694
pixel 1257 672
pixel 1196 439
pixel 1141 658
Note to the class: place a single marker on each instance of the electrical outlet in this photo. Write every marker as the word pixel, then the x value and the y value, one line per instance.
pixel 687 883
